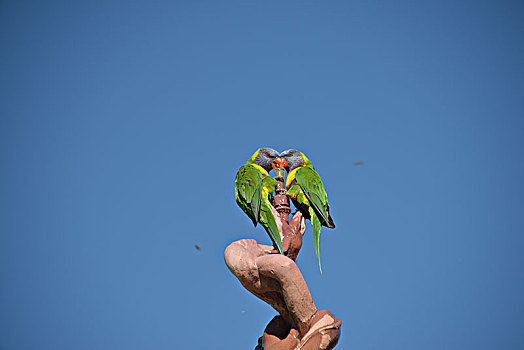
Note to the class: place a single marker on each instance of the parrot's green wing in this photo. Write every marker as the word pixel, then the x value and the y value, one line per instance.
pixel 303 204
pixel 314 196
pixel 311 184
pixel 252 190
pixel 248 191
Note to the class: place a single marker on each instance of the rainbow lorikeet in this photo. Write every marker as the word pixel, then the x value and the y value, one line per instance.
pixel 305 188
pixel 253 190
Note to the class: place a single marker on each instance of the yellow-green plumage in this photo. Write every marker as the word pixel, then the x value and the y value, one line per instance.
pixel 253 187
pixel 309 196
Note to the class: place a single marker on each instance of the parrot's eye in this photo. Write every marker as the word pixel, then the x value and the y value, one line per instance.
pixel 268 155
pixel 290 155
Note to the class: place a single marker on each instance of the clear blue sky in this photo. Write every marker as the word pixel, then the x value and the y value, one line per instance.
pixel 122 126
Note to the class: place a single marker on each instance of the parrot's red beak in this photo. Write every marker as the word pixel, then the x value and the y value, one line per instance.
pixel 279 163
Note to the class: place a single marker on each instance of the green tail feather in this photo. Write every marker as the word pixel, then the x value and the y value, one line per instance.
pixel 315 222
pixel 268 222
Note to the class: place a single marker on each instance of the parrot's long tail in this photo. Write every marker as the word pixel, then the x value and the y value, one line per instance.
pixel 315 222
pixel 268 222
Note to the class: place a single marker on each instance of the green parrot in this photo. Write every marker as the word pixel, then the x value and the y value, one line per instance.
pixel 253 190
pixel 307 192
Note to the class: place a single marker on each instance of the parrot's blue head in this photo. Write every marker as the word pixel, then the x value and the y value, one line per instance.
pixel 294 159
pixel 264 157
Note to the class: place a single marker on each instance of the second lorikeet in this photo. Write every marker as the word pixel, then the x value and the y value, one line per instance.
pixel 305 188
